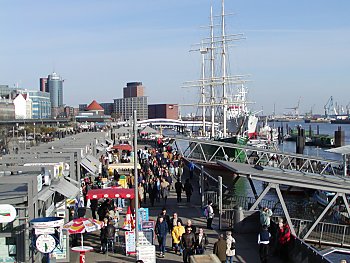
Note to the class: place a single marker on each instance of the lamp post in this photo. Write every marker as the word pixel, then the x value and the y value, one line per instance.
pixel 34 134
pixel 136 183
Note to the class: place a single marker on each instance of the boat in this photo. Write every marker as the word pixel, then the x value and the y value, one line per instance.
pixel 224 97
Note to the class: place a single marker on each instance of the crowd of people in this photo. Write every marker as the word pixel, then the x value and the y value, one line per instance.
pixel 162 171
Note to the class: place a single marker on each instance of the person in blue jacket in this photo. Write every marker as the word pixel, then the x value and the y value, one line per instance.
pixel 161 232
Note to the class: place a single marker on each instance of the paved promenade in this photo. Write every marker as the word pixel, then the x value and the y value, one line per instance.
pixel 246 244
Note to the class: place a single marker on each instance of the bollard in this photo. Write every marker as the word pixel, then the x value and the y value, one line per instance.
pixel 339 137
pixel 238 218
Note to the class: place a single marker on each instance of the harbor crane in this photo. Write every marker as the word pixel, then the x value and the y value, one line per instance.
pixel 328 107
pixel 295 109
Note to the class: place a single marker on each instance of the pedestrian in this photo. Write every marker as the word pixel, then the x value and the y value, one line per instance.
pixel 161 232
pixel 220 247
pixel 103 236
pixel 190 225
pixel 164 186
pixel 265 215
pixel 141 191
pixel 174 220
pixel 263 241
pixel 283 238
pixel 188 190
pixel 209 212
pixel 188 242
pixel 178 188
pixel 110 234
pixel 201 242
pixel 93 206
pixel 230 247
pixel 166 218
pixel 176 235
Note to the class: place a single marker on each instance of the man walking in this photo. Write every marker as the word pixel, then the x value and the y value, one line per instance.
pixel 220 248
pixel 178 189
pixel 161 232
pixel 188 242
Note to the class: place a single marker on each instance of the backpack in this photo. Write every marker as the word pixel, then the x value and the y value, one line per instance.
pixel 233 245
pixel 205 211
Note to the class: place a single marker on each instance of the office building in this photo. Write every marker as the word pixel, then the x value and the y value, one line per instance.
pixel 43 85
pixel 7 109
pixel 133 89
pixel 41 104
pixel 166 111
pixel 55 88
pixel 133 99
pixel 108 107
pixel 23 106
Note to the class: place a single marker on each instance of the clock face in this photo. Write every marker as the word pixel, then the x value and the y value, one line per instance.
pixel 45 243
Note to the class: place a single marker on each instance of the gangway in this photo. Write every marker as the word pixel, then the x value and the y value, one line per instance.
pixel 275 169
pixel 209 152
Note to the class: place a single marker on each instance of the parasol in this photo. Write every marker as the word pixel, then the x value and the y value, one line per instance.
pixel 82 225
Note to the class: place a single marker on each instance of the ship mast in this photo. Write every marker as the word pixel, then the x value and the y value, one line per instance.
pixel 203 50
pixel 223 61
pixel 212 90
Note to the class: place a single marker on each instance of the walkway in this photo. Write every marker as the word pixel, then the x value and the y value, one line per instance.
pixel 246 248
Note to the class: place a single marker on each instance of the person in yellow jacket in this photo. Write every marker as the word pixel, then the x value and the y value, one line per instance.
pixel 177 233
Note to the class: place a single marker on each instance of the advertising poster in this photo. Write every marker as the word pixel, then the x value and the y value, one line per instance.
pixel 143 216
pixel 130 245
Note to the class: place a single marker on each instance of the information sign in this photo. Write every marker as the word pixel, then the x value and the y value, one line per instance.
pixel 130 246
pixel 143 216
pixel 147 254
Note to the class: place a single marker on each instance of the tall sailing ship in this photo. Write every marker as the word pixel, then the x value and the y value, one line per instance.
pixel 223 97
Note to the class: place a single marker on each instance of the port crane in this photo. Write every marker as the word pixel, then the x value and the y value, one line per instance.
pixel 328 107
pixel 295 109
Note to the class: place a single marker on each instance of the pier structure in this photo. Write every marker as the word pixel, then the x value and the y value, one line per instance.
pixel 276 170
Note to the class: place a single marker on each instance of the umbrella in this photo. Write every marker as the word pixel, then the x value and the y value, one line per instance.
pixel 122 147
pixel 82 225
pixel 111 193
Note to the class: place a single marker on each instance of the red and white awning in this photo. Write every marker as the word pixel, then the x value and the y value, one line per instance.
pixel 111 193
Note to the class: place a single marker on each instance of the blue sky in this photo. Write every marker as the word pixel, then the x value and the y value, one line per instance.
pixel 292 48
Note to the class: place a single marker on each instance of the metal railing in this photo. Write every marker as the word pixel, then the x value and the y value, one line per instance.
pixel 323 234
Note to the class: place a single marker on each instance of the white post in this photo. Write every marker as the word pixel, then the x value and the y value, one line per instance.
pixel 136 183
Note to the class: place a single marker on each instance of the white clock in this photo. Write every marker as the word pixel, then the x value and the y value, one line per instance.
pixel 45 243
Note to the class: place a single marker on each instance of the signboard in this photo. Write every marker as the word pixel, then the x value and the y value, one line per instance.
pixel 44 222
pixel 143 216
pixel 147 254
pixel 146 238
pixel 7 213
pixel 61 254
pixel 44 231
pixel 130 246
pixel 147 225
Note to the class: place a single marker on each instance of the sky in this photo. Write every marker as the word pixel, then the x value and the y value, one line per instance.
pixel 291 49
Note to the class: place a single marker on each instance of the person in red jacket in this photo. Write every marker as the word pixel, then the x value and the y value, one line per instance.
pixel 283 238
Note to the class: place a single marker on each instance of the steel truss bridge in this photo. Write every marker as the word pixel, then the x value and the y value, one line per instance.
pixel 275 169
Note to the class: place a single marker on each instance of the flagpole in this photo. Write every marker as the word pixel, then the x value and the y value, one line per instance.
pixel 136 184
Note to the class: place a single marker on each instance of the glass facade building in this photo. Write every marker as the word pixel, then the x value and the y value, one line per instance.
pixel 41 104
pixel 55 88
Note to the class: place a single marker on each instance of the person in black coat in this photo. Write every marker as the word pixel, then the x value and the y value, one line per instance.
pixel 179 188
pixel 188 189
pixel 201 242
